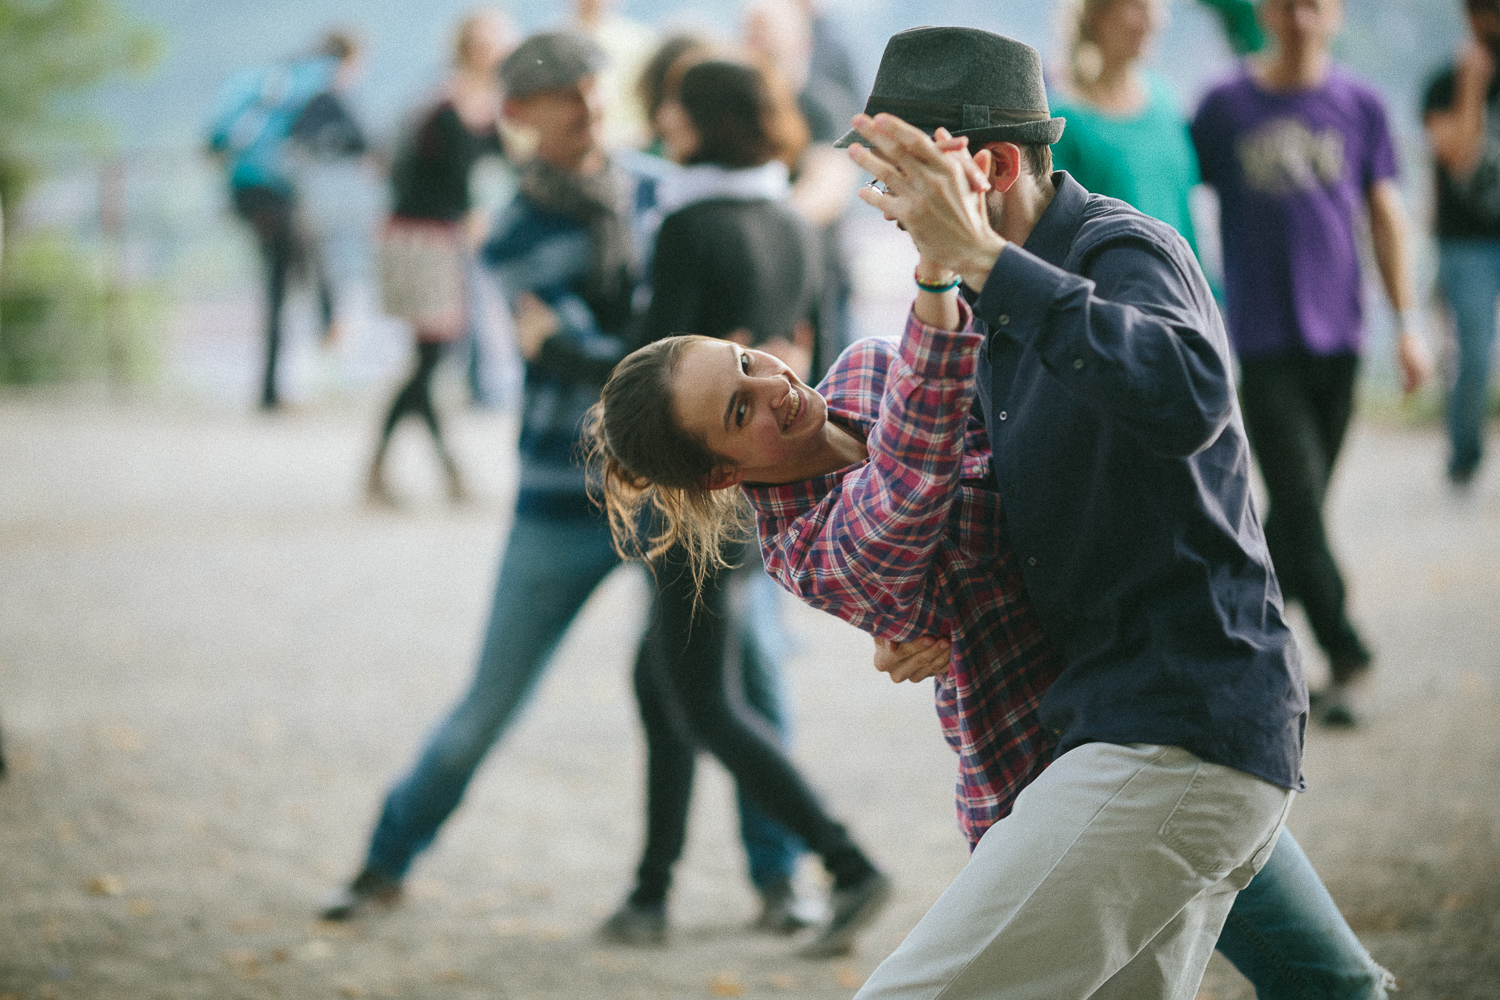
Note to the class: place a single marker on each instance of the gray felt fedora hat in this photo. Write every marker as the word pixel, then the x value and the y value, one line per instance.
pixel 549 60
pixel 971 82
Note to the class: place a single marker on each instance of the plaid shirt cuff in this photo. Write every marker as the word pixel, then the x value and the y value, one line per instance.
pixel 933 353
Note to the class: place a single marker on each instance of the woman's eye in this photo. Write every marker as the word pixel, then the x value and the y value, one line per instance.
pixel 745 362
pixel 739 414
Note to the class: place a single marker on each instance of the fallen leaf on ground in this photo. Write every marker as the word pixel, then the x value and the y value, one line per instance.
pixel 783 982
pixel 139 908
pixel 726 985
pixel 448 976
pixel 106 885
pixel 849 977
pixel 244 963
pixel 351 990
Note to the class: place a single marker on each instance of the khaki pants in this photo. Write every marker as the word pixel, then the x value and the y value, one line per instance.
pixel 1111 879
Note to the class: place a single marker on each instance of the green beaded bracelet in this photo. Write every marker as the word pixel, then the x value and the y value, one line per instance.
pixel 936 289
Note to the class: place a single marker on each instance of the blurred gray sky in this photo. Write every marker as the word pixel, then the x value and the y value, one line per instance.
pixel 1396 42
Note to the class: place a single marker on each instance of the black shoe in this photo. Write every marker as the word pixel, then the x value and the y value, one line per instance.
pixel 782 910
pixel 854 909
pixel 369 891
pixel 1339 707
pixel 640 926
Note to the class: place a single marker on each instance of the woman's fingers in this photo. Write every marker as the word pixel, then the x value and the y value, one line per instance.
pixel 917 660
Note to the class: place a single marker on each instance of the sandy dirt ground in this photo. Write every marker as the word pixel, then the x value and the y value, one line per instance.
pixel 214 659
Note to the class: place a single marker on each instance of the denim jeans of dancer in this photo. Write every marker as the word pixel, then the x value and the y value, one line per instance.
pixel 1297 409
pixel 1287 937
pixel 1469 273
pixel 771 849
pixel 549 568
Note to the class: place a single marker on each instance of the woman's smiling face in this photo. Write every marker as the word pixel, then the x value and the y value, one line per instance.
pixel 748 407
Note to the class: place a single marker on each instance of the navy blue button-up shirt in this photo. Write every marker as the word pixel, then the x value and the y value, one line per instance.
pixel 1123 468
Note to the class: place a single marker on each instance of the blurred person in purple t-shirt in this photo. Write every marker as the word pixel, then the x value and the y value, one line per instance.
pixel 1298 150
pixel 1461 112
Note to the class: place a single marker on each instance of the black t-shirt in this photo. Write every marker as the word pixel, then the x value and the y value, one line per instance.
pixel 430 177
pixel 1468 208
pixel 728 264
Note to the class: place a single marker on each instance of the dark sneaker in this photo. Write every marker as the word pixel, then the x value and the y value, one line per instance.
pixel 370 890
pixel 783 911
pixel 639 926
pixel 854 909
pixel 1340 707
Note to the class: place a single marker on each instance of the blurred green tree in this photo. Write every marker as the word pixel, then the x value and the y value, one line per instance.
pixel 53 54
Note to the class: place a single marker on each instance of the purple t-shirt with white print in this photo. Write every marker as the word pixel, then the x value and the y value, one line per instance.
pixel 1292 171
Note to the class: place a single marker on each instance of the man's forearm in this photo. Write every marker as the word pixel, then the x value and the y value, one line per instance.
pixel 1389 235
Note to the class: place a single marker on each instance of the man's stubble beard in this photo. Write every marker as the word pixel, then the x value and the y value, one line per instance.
pixel 993 209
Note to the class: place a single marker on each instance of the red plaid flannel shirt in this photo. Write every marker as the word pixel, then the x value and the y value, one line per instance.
pixel 908 543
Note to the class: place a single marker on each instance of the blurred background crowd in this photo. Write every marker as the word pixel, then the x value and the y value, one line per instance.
pixel 122 263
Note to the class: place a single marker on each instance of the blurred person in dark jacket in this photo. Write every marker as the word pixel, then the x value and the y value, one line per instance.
pixel 426 248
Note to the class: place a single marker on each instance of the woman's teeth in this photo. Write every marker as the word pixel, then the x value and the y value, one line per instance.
pixel 793 408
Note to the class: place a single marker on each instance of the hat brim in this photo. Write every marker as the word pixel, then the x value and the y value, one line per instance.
pixel 1043 133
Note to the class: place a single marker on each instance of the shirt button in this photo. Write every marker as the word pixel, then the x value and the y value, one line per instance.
pixel 1003 415
pixel 1031 561
pixel 1077 363
pixel 1003 319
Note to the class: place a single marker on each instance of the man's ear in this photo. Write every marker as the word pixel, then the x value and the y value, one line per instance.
pixel 721 477
pixel 1002 164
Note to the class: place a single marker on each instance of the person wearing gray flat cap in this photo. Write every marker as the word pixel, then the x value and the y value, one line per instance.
pixel 1121 462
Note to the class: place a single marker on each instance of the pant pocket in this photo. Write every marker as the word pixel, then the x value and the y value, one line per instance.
pixel 1220 820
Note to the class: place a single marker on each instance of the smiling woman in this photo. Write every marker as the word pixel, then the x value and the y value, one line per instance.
pixel 687 416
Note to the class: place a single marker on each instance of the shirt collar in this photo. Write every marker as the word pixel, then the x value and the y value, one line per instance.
pixel 1052 236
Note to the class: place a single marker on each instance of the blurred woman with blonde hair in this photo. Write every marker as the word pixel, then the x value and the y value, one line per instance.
pixel 1126 137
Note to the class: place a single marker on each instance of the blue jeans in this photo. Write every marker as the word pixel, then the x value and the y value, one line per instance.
pixel 1287 937
pixel 1469 273
pixel 548 570
pixel 771 848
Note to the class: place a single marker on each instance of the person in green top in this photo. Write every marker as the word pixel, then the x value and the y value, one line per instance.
pixel 1126 137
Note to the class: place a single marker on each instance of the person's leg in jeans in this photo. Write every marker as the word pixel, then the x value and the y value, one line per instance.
pixel 1110 878
pixel 770 848
pixel 548 571
pixel 1469 273
pixel 1286 935
pixel 1296 411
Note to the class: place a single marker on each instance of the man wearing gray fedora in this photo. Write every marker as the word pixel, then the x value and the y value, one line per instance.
pixel 1121 460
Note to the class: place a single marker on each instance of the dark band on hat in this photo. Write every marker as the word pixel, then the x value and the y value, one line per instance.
pixel 953 117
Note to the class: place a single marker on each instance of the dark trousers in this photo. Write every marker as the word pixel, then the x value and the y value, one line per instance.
pixel 415 397
pixel 690 693
pixel 270 214
pixel 1297 409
